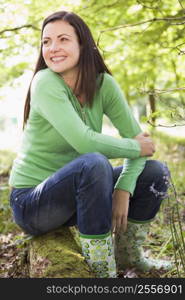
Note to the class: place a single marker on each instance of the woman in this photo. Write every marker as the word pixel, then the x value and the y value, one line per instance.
pixel 62 175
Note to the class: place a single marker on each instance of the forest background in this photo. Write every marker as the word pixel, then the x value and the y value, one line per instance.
pixel 143 43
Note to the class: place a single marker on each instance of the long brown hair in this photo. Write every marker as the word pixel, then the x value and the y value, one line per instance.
pixel 90 63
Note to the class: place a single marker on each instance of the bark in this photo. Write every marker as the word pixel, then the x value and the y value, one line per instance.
pixel 152 106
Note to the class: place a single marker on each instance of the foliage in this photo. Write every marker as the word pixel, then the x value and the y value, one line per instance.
pixel 167 238
pixel 6 224
pixel 20 34
pixel 173 153
pixel 6 159
pixel 142 41
pixel 171 150
pixel 161 243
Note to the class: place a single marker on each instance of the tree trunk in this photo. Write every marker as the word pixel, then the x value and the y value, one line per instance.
pixel 57 255
pixel 152 107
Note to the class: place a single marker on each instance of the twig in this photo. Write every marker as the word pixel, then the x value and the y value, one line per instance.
pixel 181 4
pixel 166 19
pixel 146 6
pixel 179 201
pixel 108 6
pixel 164 247
pixel 18 28
pixel 173 239
pixel 177 240
pixel 166 126
pixel 160 91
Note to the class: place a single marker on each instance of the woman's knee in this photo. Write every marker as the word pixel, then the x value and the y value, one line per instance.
pixel 98 163
pixel 151 190
pixel 158 179
pixel 157 171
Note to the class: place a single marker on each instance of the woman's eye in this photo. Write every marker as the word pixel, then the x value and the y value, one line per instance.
pixel 63 39
pixel 45 42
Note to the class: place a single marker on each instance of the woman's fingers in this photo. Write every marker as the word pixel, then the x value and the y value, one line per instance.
pixel 119 223
pixel 146 134
pixel 146 144
pixel 124 224
pixel 113 225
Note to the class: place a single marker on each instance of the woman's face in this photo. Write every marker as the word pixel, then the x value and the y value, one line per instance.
pixel 60 48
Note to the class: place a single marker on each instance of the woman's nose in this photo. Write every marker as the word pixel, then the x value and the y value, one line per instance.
pixel 55 47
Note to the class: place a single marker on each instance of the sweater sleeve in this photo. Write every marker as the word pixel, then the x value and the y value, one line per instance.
pixel 50 99
pixel 118 111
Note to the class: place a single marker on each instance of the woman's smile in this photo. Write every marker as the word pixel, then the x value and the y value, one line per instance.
pixel 61 49
pixel 58 59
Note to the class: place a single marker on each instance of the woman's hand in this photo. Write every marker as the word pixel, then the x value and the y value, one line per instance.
pixel 146 144
pixel 120 206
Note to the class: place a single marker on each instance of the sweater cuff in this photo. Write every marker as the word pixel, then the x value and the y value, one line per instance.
pixel 128 178
pixel 126 184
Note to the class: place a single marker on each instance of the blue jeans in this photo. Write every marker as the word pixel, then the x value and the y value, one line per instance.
pixel 81 193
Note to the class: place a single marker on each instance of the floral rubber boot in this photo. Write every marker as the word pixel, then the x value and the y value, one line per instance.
pixel 99 254
pixel 129 251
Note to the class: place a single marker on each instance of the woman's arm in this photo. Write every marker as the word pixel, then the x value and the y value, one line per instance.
pixel 50 99
pixel 118 111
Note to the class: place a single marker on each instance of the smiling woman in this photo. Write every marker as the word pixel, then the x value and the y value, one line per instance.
pixel 62 175
pixel 61 50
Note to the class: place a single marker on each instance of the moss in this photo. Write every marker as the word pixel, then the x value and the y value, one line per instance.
pixel 57 255
pixel 6 159
pixel 6 219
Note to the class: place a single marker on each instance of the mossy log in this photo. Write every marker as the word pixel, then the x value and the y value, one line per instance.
pixel 57 255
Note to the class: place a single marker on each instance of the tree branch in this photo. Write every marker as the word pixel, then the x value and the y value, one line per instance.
pixel 166 126
pixel 166 19
pixel 160 91
pixel 181 4
pixel 156 93
pixel 177 47
pixel 108 6
pixel 19 28
pixel 146 6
